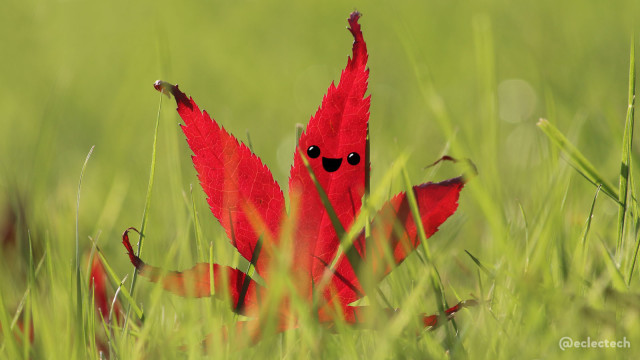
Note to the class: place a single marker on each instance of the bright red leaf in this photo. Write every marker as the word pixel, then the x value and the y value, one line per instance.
pixel 249 204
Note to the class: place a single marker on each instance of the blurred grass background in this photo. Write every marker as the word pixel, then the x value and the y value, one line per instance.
pixel 466 78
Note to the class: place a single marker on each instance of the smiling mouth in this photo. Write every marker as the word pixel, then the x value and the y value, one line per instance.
pixel 331 165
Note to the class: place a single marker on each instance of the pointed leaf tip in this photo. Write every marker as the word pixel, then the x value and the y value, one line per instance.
pixel 135 260
pixel 354 26
pixel 353 18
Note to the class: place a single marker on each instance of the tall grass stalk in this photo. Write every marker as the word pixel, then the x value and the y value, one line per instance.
pixel 147 206
pixel 80 334
pixel 627 146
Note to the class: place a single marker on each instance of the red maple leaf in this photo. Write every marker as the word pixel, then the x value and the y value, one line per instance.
pixel 250 206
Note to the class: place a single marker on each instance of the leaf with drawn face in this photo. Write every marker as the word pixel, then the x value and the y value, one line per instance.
pixel 334 143
pixel 249 205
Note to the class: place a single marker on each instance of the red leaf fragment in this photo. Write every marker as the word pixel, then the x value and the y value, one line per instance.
pixel 357 315
pixel 195 282
pixel 433 320
pixel 98 282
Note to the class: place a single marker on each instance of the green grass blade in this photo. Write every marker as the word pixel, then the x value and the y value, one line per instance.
pixel 588 225
pixel 49 261
pixel 579 160
pixel 350 251
pixel 249 143
pixel 633 263
pixel 110 339
pixel 614 271
pixel 16 316
pixel 196 227
pixel 453 342
pixel 488 272
pixel 360 221
pixel 526 237
pixel 212 286
pixel 627 144
pixel 632 81
pixel 436 282
pixel 9 348
pixel 415 212
pixel 80 334
pixel 299 130
pixel 147 206
pixel 113 354
pixel 367 185
pixel 247 278
pixel 92 348
pixel 118 281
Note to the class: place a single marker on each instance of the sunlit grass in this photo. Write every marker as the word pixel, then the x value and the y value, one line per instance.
pixel 548 253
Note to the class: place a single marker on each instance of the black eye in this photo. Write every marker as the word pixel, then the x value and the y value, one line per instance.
pixel 353 158
pixel 313 151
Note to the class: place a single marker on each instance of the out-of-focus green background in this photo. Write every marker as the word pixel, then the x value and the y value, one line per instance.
pixel 465 78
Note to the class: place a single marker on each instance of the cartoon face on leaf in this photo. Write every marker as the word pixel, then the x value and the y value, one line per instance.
pixel 249 204
pixel 332 164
